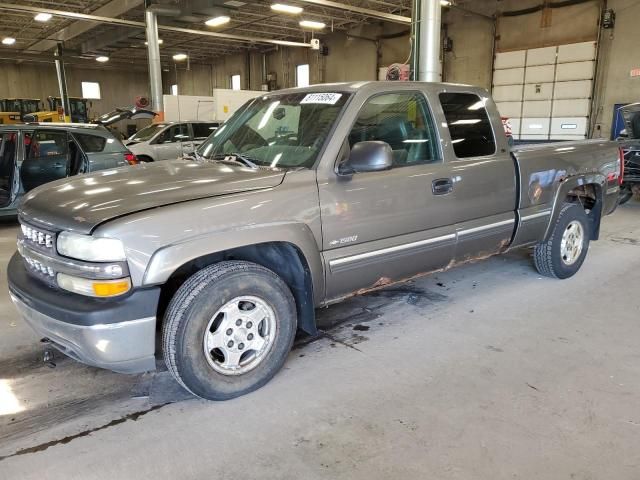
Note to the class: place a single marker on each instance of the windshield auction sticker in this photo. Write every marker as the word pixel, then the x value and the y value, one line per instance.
pixel 323 98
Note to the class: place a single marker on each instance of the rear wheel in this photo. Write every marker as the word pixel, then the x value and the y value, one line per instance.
pixel 562 255
pixel 228 329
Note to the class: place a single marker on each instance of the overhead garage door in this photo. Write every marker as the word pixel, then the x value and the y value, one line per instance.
pixel 546 92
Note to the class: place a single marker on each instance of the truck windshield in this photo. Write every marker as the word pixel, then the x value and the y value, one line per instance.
pixel 284 131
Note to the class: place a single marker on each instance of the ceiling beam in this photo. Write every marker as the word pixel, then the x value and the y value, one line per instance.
pixel 134 24
pixel 111 9
pixel 389 17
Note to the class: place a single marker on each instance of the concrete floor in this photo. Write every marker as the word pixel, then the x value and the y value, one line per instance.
pixel 487 371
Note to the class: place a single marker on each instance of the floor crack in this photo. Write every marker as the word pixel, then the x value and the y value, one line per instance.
pixel 62 441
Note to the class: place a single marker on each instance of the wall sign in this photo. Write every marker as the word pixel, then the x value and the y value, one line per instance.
pixel 635 72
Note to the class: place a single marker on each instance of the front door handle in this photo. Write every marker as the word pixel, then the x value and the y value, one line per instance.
pixel 442 186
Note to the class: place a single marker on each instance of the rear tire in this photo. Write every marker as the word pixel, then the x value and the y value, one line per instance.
pixel 228 329
pixel 626 194
pixel 562 255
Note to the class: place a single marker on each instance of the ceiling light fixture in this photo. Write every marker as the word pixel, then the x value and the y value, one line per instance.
pixel 160 42
pixel 217 21
pixel 102 59
pixel 445 3
pixel 43 17
pixel 312 24
pixel 280 7
pixel 8 41
pixel 178 57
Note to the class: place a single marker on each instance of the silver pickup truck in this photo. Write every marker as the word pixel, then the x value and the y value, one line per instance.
pixel 303 198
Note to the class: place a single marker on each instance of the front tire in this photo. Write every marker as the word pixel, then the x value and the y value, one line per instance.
pixel 562 255
pixel 228 329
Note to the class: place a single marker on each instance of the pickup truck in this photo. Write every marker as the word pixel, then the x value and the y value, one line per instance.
pixel 303 198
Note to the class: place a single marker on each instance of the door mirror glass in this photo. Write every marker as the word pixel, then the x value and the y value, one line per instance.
pixel 368 156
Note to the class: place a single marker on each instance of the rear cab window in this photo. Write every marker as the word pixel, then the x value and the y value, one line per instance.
pixel 469 125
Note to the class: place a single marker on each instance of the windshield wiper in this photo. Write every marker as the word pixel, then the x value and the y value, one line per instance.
pixel 235 158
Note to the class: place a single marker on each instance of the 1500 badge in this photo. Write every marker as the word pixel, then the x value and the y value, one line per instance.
pixel 344 240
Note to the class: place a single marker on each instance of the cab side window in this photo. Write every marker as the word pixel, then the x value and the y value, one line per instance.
pixel 469 124
pixel 402 120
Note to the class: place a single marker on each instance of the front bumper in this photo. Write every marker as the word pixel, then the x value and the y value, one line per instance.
pixel 116 334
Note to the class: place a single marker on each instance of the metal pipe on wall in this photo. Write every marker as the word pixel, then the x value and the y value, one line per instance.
pixel 429 41
pixel 155 68
pixel 62 83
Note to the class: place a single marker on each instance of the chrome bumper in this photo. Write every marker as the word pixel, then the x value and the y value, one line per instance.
pixel 125 347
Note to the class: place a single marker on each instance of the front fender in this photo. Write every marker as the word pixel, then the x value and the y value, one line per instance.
pixel 167 260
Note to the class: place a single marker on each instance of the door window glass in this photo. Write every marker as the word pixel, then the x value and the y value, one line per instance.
pixel 203 130
pixel 469 124
pixel 8 143
pixel 403 121
pixel 177 133
pixel 49 146
pixel 90 143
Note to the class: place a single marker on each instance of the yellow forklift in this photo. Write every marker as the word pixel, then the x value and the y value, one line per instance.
pixel 13 110
pixel 79 111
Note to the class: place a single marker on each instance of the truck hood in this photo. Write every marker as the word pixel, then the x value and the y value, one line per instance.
pixel 82 203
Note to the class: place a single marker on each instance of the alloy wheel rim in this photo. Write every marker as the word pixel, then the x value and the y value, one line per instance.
pixel 239 335
pixel 572 243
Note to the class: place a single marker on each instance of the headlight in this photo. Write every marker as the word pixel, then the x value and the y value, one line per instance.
pixel 94 288
pixel 89 248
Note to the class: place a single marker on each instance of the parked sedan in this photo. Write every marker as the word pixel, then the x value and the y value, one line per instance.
pixel 34 154
pixel 169 140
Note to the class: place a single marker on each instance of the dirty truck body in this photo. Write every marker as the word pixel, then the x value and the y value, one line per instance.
pixel 389 191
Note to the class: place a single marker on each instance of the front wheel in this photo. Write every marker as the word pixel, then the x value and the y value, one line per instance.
pixel 562 255
pixel 228 329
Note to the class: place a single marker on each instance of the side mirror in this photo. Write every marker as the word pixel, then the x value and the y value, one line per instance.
pixel 371 156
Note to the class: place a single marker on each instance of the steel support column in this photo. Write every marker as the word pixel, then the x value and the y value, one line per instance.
pixel 429 41
pixel 155 68
pixel 62 82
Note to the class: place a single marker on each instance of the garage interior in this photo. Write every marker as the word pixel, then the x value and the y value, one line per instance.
pixel 487 370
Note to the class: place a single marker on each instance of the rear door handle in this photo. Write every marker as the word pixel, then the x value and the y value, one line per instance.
pixel 442 186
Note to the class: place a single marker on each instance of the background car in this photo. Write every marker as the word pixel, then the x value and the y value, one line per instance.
pixel 34 154
pixel 169 140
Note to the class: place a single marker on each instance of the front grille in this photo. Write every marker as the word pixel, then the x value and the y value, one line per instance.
pixel 39 238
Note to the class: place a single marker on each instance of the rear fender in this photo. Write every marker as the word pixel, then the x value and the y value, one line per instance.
pixel 562 193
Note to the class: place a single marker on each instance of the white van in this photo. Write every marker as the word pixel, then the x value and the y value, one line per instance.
pixel 169 140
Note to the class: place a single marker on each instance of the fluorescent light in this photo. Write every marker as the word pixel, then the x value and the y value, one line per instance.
pixel 102 59
pixel 8 41
pixel 178 57
pixel 445 3
pixel 280 7
pixel 217 21
pixel 43 17
pixel 470 121
pixel 312 24
pixel 160 42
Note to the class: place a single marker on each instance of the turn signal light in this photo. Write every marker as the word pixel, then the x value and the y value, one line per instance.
pixel 131 158
pixel 111 289
pixel 94 288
